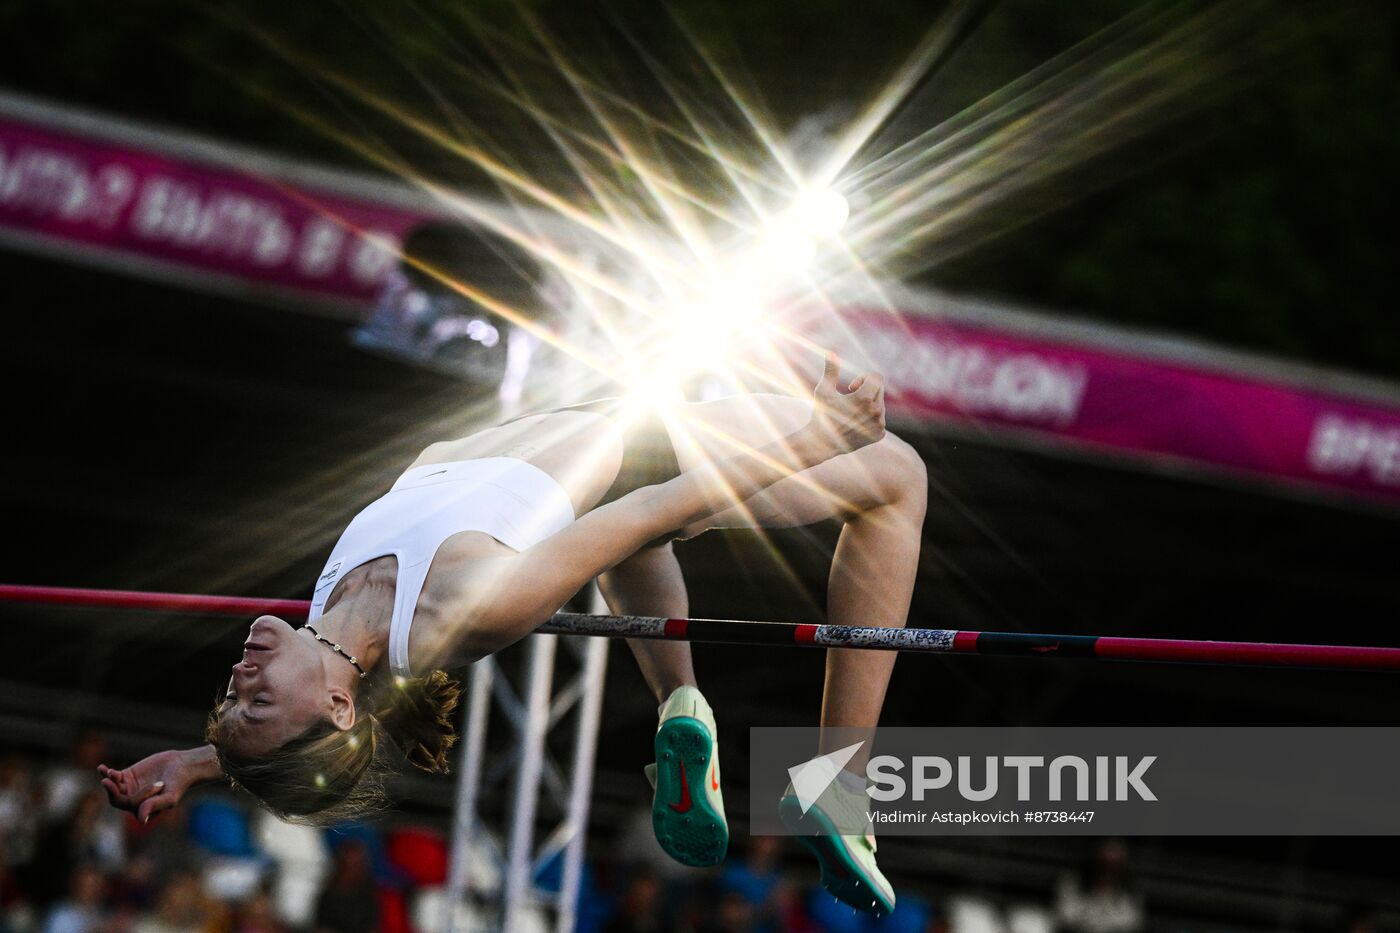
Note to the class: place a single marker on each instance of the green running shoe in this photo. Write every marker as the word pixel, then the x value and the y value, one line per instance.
pixel 837 832
pixel 687 812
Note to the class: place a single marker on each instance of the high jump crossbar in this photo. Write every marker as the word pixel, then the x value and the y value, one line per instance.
pixel 730 631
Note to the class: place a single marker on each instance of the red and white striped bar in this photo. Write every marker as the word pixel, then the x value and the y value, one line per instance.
pixel 730 631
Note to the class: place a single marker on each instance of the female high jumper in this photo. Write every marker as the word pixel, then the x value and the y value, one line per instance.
pixel 484 538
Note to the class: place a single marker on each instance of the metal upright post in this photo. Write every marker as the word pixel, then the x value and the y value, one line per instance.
pixel 520 846
pixel 465 824
pixel 531 713
pixel 595 665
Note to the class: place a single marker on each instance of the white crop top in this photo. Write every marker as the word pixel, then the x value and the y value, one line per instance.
pixel 515 502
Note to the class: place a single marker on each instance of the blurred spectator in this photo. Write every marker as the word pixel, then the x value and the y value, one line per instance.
pixel 183 907
pixel 65 785
pixel 349 905
pixel 96 832
pixel 47 873
pixel 792 916
pixel 734 914
pixel 639 908
pixel 14 906
pixel 300 863
pixel 98 870
pixel 19 815
pixel 757 879
pixel 259 915
pixel 81 911
pixel 1100 899
pixel 92 834
pixel 164 843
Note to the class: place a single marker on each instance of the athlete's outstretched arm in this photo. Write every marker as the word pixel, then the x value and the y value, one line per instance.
pixel 157 782
pixel 526 590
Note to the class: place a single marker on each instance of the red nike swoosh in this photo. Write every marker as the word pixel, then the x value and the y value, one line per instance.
pixel 714 781
pixel 684 805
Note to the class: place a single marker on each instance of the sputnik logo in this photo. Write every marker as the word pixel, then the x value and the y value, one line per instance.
pixel 811 778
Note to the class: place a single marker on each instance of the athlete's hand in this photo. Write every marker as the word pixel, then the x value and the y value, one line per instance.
pixel 851 419
pixel 153 784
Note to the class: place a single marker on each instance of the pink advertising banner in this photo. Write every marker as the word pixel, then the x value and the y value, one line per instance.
pixel 1116 401
pixel 100 189
pixel 87 192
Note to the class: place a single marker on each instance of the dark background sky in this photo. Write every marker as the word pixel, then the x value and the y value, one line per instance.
pixel 165 438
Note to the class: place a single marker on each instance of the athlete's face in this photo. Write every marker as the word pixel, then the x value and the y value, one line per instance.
pixel 278 688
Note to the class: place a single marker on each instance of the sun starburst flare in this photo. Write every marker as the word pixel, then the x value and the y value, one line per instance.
pixel 690 230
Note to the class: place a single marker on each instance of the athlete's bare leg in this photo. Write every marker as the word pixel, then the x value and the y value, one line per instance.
pixel 879 491
pixel 649 583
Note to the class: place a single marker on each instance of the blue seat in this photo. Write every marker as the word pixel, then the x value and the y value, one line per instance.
pixel 833 916
pixel 593 908
pixel 385 873
pixel 911 915
pixel 221 827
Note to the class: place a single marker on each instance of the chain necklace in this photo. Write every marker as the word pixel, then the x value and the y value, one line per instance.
pixel 337 649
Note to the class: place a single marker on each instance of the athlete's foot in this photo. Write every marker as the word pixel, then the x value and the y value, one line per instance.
pixel 687 812
pixel 837 831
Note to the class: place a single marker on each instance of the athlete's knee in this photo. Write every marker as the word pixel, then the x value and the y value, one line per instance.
pixel 902 476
